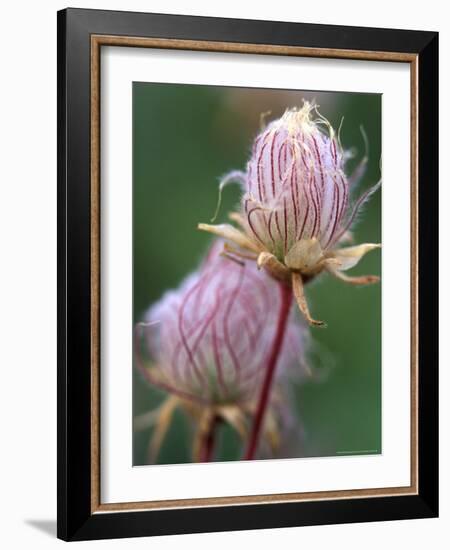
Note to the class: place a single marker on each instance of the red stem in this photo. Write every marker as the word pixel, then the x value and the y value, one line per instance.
pixel 207 450
pixel 285 306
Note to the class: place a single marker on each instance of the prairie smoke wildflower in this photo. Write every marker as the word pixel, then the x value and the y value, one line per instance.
pixel 208 343
pixel 295 211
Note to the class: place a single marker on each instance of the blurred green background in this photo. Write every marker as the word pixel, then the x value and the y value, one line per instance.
pixel 184 138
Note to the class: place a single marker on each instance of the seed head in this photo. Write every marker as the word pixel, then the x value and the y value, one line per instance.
pixel 208 344
pixel 296 186
pixel 295 207
pixel 210 338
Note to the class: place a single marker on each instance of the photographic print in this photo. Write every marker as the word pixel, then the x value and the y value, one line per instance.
pixel 256 273
pixel 247 319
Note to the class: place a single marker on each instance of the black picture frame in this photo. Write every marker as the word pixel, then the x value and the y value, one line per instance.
pixel 76 521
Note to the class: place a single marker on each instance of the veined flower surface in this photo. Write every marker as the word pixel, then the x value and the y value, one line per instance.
pixel 210 338
pixel 296 186
pixel 295 208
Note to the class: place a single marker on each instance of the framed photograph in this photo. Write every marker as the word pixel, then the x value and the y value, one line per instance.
pixel 247 256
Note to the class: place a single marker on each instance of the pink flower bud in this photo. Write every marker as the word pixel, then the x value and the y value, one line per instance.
pixel 295 209
pixel 296 186
pixel 210 338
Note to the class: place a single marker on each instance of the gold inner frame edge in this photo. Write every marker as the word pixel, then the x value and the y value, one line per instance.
pixel 97 41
